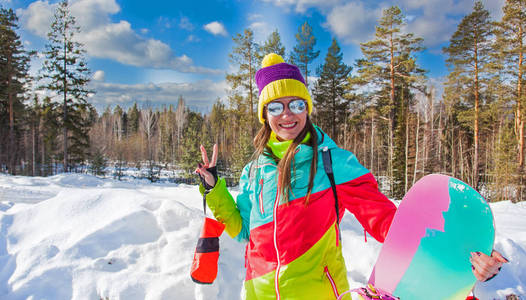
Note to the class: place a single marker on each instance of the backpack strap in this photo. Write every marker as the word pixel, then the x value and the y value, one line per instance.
pixel 327 165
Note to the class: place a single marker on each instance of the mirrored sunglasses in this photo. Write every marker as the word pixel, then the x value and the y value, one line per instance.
pixel 296 106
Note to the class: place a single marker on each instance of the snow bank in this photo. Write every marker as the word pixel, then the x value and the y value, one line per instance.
pixel 80 237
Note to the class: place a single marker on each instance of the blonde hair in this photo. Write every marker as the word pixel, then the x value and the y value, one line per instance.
pixel 285 163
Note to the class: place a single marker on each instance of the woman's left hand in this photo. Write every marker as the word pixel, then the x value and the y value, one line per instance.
pixel 485 267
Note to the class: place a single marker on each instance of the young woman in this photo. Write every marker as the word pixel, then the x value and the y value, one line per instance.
pixel 286 210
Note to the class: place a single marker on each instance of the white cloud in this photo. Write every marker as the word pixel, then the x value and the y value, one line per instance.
pixel 105 39
pixel 200 95
pixel 435 31
pixel 302 5
pixel 37 17
pixel 353 22
pixel 92 14
pixel 216 28
pixel 434 20
pixel 165 22
pixel 437 20
pixel 261 30
pixel 451 7
pixel 99 75
pixel 252 17
pixel 495 8
pixel 119 42
pixel 185 23
pixel 193 39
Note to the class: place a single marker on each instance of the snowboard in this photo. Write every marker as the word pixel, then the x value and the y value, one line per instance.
pixel 439 222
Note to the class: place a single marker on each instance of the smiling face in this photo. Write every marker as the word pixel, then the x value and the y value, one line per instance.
pixel 287 125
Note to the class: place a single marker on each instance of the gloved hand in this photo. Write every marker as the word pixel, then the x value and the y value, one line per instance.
pixel 207 171
pixel 213 171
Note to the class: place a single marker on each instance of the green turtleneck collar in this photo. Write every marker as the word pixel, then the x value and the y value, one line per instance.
pixel 280 147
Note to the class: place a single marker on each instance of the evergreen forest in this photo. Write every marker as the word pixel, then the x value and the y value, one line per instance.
pixel 383 107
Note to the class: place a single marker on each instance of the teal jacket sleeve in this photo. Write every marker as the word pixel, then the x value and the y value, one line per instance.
pixel 235 216
pixel 244 204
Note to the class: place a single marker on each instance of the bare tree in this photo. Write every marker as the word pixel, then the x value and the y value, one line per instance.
pixel 148 126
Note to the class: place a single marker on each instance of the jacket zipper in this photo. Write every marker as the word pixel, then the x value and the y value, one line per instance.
pixel 261 209
pixel 261 181
pixel 276 203
pixel 334 289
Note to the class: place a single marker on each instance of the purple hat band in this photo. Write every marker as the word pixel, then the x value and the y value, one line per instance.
pixel 276 72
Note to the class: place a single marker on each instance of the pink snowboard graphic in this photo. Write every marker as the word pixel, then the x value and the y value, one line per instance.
pixel 440 221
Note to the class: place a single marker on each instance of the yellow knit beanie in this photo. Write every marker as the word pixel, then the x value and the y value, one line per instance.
pixel 277 79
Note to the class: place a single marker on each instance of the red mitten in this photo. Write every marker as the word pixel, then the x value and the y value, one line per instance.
pixel 204 266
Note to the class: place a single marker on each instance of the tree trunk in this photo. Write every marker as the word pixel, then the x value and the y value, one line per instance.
pixel 251 100
pixel 439 137
pixel 372 142
pixel 65 129
pixel 333 121
pixel 391 114
pixel 416 141
pixel 43 156
pixel 406 171
pixel 453 161
pixel 519 122
pixel 461 157
pixel 354 147
pixel 34 148
pixel 429 118
pixel 364 145
pixel 307 75
pixel 476 127
pixel 11 144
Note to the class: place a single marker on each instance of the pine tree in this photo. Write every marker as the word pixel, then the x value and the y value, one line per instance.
pixel 511 35
pixel 166 134
pixel 503 164
pixel 49 129
pixel 191 142
pixel 243 150
pixel 469 53
pixel 303 54
pixel 65 72
pixel 243 96
pixel 85 116
pixel 34 118
pixel 220 134
pixel 98 163
pixel 389 66
pixel 245 56
pixel 181 114
pixel 14 66
pixel 401 141
pixel 133 120
pixel 330 89
pixel 218 122
pixel 272 45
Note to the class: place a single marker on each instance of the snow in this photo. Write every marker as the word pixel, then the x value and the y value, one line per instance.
pixel 75 236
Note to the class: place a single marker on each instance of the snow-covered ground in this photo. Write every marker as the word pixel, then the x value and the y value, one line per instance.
pixel 80 237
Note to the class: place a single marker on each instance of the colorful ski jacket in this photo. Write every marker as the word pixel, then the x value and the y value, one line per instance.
pixel 293 249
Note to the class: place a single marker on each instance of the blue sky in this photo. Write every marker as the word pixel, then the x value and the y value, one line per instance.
pixel 153 51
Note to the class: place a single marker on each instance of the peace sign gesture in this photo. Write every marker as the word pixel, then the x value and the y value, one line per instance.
pixel 207 170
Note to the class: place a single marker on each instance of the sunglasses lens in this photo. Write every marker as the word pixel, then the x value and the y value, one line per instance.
pixel 275 108
pixel 297 106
